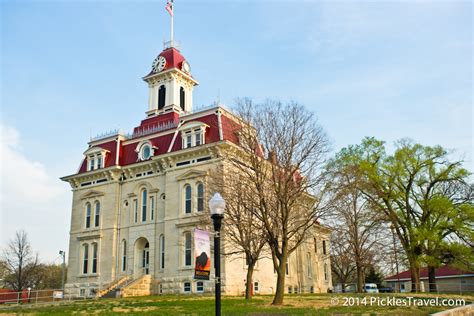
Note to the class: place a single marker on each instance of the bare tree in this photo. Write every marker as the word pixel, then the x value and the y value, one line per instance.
pixel 20 262
pixel 282 148
pixel 244 234
pixel 360 227
pixel 342 263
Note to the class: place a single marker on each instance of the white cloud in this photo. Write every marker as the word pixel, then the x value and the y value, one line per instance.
pixel 30 197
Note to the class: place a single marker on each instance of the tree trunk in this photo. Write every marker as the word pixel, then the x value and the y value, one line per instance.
pixel 248 282
pixel 432 278
pixel 415 277
pixel 280 288
pixel 360 281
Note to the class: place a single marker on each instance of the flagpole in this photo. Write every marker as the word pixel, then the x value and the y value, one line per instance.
pixel 171 29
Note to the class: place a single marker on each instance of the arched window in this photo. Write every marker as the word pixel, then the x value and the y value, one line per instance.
pixel 182 96
pixel 187 249
pixel 162 251
pixel 187 197
pixel 94 258
pixel 124 255
pixel 200 197
pixel 88 215
pixel 144 201
pixel 85 258
pixel 97 214
pixel 161 97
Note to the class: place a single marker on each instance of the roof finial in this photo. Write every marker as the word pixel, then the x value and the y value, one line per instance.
pixel 170 9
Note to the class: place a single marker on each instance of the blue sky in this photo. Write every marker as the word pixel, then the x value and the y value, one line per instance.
pixel 72 69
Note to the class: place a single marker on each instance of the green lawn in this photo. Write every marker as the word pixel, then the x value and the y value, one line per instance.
pixel 309 304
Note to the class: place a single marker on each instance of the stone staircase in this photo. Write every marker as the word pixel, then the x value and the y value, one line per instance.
pixel 109 290
pixel 138 287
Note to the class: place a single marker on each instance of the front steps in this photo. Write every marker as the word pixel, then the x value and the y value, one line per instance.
pixel 110 290
pixel 139 287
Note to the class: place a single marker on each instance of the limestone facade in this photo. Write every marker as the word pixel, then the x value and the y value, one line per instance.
pixel 137 199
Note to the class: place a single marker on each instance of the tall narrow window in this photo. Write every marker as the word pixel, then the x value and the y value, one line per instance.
pixel 88 215
pixel 144 200
pixel 187 197
pixel 124 255
pixel 182 96
pixel 94 258
pixel 324 247
pixel 310 266
pixel 161 97
pixel 198 137
pixel 315 245
pixel 99 162
pixel 187 249
pixel 287 267
pixel 97 214
pixel 135 209
pixel 85 260
pixel 152 208
pixel 162 252
pixel 325 271
pixel 91 164
pixel 200 197
pixel 189 140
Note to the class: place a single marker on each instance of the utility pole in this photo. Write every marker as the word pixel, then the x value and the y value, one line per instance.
pixel 392 228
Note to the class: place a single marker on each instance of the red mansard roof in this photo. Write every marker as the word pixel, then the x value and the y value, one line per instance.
pixel 444 271
pixel 111 146
pixel 128 155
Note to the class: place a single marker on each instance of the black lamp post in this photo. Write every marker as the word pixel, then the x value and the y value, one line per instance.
pixel 217 206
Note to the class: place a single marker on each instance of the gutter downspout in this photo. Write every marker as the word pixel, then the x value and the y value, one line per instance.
pixel 120 181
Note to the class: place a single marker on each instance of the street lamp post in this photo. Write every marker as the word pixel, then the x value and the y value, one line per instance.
pixel 63 254
pixel 29 294
pixel 217 206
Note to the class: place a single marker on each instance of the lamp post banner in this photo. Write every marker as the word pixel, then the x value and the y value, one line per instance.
pixel 202 254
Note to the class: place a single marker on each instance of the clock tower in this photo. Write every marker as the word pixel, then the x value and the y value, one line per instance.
pixel 170 83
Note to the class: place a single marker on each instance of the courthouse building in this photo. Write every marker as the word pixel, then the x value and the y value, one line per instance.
pixel 138 197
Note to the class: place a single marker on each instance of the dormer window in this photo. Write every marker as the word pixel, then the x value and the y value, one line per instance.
pixel 198 137
pixel 145 150
pixel 193 134
pixel 95 158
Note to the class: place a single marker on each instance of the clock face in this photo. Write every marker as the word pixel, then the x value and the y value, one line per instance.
pixel 159 64
pixel 185 67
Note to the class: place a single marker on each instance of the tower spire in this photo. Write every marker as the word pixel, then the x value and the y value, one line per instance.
pixel 170 9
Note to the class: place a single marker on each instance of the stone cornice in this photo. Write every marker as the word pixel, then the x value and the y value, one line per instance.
pixel 109 173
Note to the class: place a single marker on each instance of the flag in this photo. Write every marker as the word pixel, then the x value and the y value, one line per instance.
pixel 169 7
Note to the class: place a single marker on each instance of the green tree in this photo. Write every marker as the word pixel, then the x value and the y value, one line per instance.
pixel 407 188
pixel 374 277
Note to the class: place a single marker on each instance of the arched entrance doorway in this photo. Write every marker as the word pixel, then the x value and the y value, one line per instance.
pixel 142 257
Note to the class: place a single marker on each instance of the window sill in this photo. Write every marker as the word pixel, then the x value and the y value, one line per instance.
pixel 186 268
pixel 92 275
